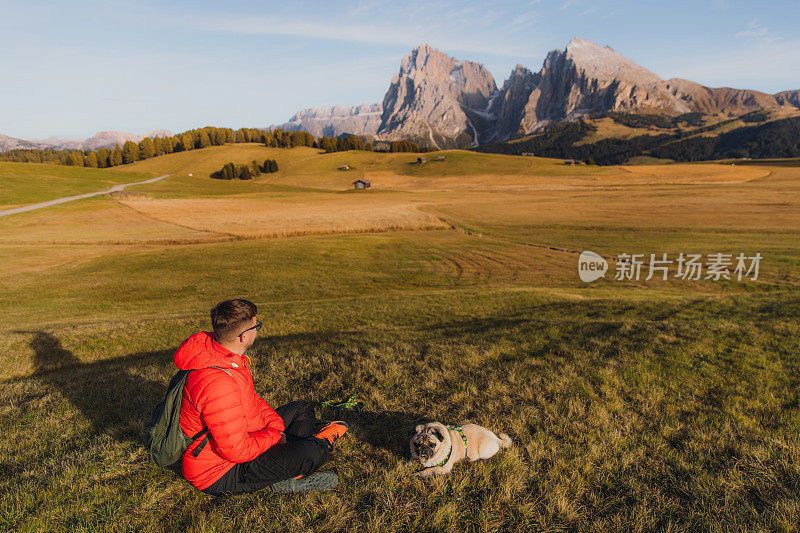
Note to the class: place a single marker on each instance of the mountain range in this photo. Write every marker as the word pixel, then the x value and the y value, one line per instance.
pixel 102 139
pixel 443 102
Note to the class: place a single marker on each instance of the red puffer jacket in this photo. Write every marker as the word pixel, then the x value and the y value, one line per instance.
pixel 242 425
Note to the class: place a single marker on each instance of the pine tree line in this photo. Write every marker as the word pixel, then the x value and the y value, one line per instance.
pixel 404 146
pixel 131 152
pixel 638 120
pixel 776 139
pixel 254 169
pixel 342 144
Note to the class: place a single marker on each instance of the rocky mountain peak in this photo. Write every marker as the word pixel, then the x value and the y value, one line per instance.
pixel 511 100
pixel 432 94
pixel 587 78
pixel 333 121
pixel 578 46
pixel 102 139
pixel 109 139
pixel 519 72
pixel 605 63
pixel 442 101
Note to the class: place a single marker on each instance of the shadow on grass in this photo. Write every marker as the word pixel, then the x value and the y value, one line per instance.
pixel 118 402
pixel 108 394
pixel 114 399
pixel 389 430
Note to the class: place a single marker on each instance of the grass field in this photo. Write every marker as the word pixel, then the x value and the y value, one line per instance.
pixel 607 128
pixel 22 184
pixel 447 292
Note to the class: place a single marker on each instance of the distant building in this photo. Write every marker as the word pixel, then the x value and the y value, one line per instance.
pixel 421 160
pixel 528 154
pixel 362 184
pixel 572 162
pixel 344 167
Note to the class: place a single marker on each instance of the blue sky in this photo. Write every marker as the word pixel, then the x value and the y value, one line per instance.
pixel 70 69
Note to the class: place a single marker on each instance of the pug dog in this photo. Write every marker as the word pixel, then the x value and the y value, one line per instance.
pixel 439 447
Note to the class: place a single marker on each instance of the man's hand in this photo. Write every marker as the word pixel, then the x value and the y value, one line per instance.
pixel 283 438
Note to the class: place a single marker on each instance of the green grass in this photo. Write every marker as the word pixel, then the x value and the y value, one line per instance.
pixel 183 186
pixel 626 415
pixel 29 183
pixel 307 167
pixel 633 406
pixel 648 160
pixel 456 163
pixel 787 162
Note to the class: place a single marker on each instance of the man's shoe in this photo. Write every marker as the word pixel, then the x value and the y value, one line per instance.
pixel 316 481
pixel 332 431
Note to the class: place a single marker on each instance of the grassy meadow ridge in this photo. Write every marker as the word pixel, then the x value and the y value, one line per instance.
pixel 448 291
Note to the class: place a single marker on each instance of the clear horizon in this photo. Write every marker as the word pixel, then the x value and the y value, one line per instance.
pixel 135 67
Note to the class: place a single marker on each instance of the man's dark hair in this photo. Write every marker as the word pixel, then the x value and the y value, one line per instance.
pixel 229 317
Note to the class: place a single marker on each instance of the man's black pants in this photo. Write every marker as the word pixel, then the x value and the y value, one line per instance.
pixel 300 455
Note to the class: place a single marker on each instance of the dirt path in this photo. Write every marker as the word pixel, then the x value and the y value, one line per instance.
pixel 57 201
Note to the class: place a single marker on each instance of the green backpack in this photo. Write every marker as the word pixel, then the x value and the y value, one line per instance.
pixel 167 441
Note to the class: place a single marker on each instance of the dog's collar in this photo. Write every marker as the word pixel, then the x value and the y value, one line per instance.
pixel 444 461
pixel 460 431
pixel 449 453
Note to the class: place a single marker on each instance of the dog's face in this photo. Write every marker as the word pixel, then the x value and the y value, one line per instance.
pixel 428 441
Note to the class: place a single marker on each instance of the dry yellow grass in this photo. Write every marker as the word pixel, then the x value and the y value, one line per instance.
pixel 23 260
pixel 736 207
pixel 665 195
pixel 98 220
pixel 607 128
pixel 314 214
pixel 686 173
pixel 484 170
pixel 602 177
pixel 204 162
pixel 307 167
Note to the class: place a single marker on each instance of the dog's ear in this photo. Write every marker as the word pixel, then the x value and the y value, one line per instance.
pixel 417 429
pixel 413 431
pixel 438 434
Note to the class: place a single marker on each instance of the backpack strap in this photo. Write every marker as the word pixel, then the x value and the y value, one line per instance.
pixel 205 431
pixel 199 449
pixel 198 435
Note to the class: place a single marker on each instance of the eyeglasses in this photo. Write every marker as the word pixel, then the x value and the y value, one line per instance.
pixel 256 327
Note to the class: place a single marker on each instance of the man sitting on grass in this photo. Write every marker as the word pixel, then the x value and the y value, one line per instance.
pixel 248 445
